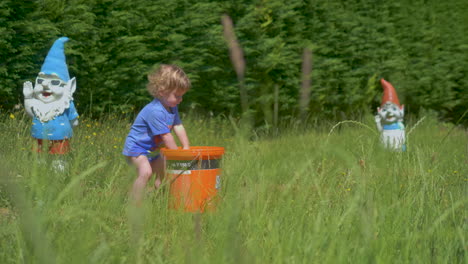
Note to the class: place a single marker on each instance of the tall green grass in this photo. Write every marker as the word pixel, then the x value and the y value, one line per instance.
pixel 305 196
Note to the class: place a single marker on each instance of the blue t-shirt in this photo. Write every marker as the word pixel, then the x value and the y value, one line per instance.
pixel 58 128
pixel 152 121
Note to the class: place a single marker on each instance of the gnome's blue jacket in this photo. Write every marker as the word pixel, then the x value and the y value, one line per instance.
pixel 58 128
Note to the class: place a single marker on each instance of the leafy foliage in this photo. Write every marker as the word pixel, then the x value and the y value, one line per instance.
pixel 420 47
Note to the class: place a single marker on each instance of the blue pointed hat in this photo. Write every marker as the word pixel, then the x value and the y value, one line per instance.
pixel 55 61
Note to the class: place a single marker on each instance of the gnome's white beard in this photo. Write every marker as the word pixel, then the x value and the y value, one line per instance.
pixel 46 112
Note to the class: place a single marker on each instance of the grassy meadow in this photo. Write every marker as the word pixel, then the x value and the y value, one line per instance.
pixel 328 194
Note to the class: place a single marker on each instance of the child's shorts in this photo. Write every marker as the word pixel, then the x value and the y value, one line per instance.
pixel 151 156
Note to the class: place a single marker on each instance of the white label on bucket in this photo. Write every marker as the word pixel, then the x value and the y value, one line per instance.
pixel 179 171
pixel 218 182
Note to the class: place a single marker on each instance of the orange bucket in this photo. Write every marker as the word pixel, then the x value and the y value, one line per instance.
pixel 195 177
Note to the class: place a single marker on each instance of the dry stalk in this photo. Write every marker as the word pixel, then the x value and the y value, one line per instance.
pixel 237 58
pixel 305 86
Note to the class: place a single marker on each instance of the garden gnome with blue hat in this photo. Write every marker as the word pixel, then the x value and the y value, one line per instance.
pixel 389 119
pixel 50 101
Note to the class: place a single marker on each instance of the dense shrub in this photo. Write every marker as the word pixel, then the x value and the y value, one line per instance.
pixel 420 47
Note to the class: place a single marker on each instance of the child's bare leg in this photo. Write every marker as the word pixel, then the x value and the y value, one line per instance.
pixel 144 174
pixel 157 166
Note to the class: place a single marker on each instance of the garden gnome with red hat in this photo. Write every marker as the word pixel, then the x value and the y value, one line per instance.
pixel 389 119
pixel 50 103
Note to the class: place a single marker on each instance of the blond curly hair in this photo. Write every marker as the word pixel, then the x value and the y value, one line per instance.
pixel 167 78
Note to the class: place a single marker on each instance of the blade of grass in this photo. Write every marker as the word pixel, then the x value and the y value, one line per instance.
pixel 76 180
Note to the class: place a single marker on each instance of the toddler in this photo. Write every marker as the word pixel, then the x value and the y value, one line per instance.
pixel 153 126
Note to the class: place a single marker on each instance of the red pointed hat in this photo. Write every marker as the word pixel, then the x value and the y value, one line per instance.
pixel 389 94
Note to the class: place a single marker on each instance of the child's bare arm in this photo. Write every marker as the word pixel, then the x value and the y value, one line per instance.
pixel 169 141
pixel 182 135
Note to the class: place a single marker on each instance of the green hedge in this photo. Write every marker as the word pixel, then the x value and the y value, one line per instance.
pixel 419 46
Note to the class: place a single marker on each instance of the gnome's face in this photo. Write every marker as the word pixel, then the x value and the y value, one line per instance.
pixel 51 96
pixel 50 88
pixel 391 112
